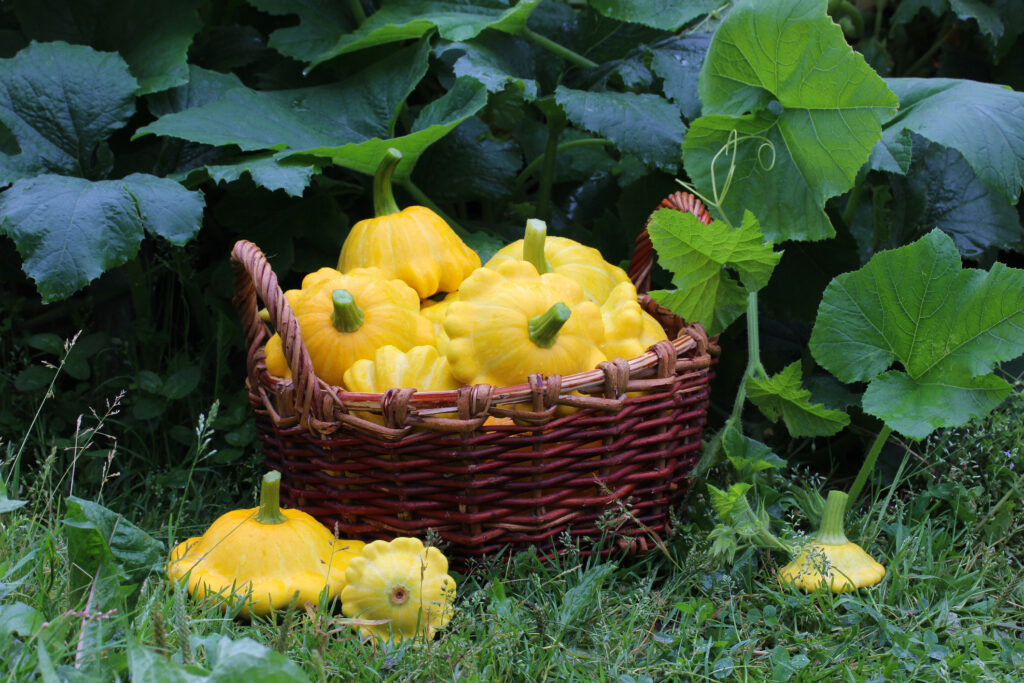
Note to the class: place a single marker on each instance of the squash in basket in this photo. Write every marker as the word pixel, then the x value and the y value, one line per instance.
pixel 628 329
pixel 422 368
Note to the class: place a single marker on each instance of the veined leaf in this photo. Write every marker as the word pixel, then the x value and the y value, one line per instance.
pixel 982 121
pixel 71 230
pixel 454 20
pixel 496 60
pixel 782 74
pixel 664 14
pixel 60 102
pixel 678 64
pixel 320 24
pixel 747 455
pixel 266 170
pixel 698 256
pixel 946 326
pixel 783 396
pixel 644 125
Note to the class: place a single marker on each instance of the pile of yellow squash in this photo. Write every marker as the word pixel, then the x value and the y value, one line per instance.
pixel 410 305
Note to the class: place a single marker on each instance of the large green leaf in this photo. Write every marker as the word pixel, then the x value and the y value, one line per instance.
pixel 947 327
pixel 203 87
pixel 678 64
pixel 470 163
pixel 782 73
pixel 266 170
pixel 782 395
pixel 153 37
pixel 361 107
pixel 644 125
pixel 61 102
pixel 320 24
pixel 71 230
pixel 982 121
pixel 455 20
pixel 664 14
pixel 496 60
pixel 698 256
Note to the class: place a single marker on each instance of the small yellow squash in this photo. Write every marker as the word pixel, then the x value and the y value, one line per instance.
pixel 401 582
pixel 627 327
pixel 274 554
pixel 414 244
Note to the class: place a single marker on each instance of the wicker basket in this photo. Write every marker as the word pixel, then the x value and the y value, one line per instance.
pixel 614 466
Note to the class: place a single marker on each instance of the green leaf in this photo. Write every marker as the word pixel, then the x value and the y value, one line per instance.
pixel 182 383
pixel 727 502
pixel 69 231
pixel 145 664
pixel 246 660
pixel 60 102
pixel 946 326
pixel 363 106
pixel 470 163
pixel 698 255
pixel 982 121
pixel 320 24
pixel 987 17
pixel 647 126
pixel 203 87
pixel 21 619
pixel 815 110
pixel 747 455
pixel 678 64
pixel 8 505
pixel 266 170
pixel 496 60
pixel 783 396
pixel 455 20
pixel 664 14
pixel 153 37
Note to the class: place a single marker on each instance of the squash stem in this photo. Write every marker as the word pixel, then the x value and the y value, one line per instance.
pixel 558 49
pixel 831 531
pixel 347 316
pixel 544 328
pixel 383 198
pixel 270 500
pixel 533 245
pixel 869 465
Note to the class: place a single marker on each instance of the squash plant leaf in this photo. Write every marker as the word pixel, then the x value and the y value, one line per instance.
pixel 944 325
pixel 747 455
pixel 782 395
pixel 71 230
pixel 455 20
pixel 783 74
pixel 664 14
pixel 60 102
pixel 320 24
pixel 496 60
pixel 153 37
pixel 644 125
pixel 678 63
pixel 266 170
pixel 699 256
pixel 982 121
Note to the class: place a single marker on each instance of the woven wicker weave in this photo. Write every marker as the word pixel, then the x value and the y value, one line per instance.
pixel 616 464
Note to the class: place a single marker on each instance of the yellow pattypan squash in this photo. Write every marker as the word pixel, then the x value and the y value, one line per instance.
pixel 511 322
pixel 414 244
pixel 344 318
pixel 830 558
pixel 401 581
pixel 627 332
pixel 578 262
pixel 422 368
pixel 275 554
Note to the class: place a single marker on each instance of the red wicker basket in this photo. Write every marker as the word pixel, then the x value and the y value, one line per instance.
pixel 615 466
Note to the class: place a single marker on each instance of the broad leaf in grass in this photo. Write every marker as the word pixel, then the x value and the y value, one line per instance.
pixel 266 170
pixel 807 107
pixel 455 20
pixel 678 64
pixel 698 257
pixel 946 326
pixel 363 106
pixel 644 125
pixel 782 395
pixel 7 504
pixel 153 37
pixel 982 121
pixel 664 14
pixel 60 102
pixel 748 456
pixel 70 230
pixel 320 24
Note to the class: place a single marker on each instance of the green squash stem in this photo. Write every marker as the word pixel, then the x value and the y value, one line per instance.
pixel 544 328
pixel 270 500
pixel 533 245
pixel 347 316
pixel 831 531
pixel 383 199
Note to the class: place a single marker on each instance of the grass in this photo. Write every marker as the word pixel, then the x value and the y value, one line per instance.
pixel 951 607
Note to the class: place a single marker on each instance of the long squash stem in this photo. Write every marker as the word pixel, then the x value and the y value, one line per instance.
pixel 270 500
pixel 560 50
pixel 869 465
pixel 547 174
pixel 383 198
pixel 754 367
pixel 533 245
pixel 832 530
pixel 544 328
pixel 357 11
pixel 347 316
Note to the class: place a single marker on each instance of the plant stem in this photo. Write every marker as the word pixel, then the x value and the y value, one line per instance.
pixel 560 50
pixel 754 367
pixel 270 500
pixel 831 531
pixel 347 316
pixel 547 175
pixel 544 328
pixel 851 204
pixel 533 245
pixel 357 11
pixel 869 465
pixel 572 144
pixel 383 198
pixel 930 52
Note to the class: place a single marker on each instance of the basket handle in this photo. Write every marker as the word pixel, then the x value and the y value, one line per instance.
pixel 643 251
pixel 254 277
